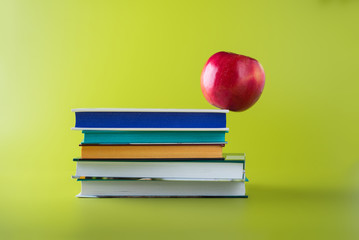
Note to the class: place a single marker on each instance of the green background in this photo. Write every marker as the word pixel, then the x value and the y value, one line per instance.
pixel 301 137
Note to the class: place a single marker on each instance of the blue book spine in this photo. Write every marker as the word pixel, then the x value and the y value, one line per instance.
pixel 150 120
pixel 126 137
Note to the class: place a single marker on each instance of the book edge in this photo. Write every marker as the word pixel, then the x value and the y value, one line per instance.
pixel 160 196
pixel 151 129
pixel 148 110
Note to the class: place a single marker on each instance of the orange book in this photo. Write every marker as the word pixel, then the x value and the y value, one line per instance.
pixel 151 151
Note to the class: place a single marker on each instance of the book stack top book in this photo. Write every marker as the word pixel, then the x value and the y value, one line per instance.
pixel 123 119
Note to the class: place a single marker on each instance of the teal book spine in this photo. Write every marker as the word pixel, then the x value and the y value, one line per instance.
pixel 126 137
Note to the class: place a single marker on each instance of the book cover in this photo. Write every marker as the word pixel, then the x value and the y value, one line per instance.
pixel 169 169
pixel 123 137
pixel 154 188
pixel 105 118
pixel 152 151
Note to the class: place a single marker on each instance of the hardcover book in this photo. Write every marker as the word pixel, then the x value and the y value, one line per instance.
pixel 123 137
pixel 215 170
pixel 131 119
pixel 152 151
pixel 161 188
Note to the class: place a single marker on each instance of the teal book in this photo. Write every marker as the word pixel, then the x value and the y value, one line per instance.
pixel 127 137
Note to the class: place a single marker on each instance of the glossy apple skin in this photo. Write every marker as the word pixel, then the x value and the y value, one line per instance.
pixel 232 81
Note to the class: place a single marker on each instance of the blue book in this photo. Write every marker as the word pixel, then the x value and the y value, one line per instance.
pixel 150 119
pixel 131 137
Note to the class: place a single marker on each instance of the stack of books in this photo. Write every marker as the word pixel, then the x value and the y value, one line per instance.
pixel 156 153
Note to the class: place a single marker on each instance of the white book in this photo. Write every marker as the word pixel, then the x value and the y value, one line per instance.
pixel 141 188
pixel 190 169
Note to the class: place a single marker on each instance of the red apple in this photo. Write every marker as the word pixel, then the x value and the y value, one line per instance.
pixel 232 81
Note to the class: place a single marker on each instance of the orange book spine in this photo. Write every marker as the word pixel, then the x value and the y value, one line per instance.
pixel 143 151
